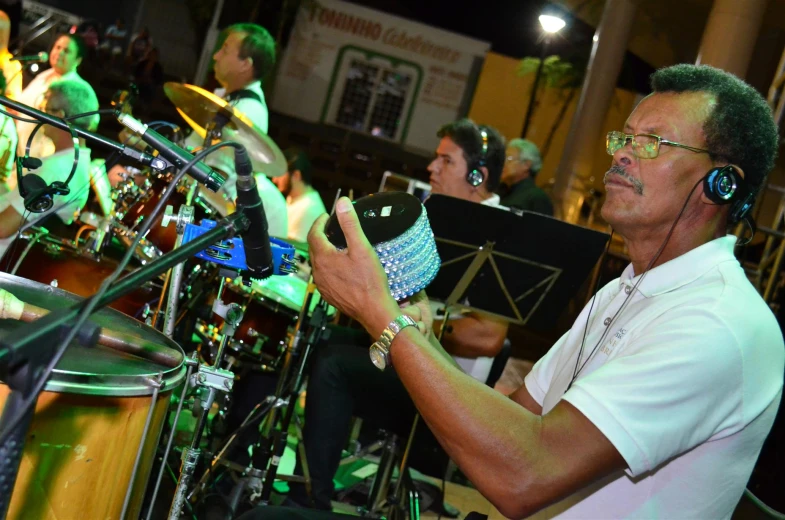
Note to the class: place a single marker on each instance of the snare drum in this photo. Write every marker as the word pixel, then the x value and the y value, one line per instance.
pixel 100 412
pixel 55 261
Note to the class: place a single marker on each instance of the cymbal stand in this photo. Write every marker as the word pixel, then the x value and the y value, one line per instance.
pixel 276 437
pixel 209 380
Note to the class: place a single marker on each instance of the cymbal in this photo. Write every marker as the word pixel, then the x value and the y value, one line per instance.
pixel 199 108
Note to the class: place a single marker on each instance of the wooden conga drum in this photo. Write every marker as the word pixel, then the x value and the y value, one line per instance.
pixel 90 448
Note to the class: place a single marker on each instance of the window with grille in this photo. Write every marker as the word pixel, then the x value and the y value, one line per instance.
pixel 373 96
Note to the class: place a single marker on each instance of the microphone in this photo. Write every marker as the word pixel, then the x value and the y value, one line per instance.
pixel 33 58
pixel 171 152
pixel 258 254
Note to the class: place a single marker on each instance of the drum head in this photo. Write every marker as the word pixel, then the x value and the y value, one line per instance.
pixel 288 291
pixel 99 370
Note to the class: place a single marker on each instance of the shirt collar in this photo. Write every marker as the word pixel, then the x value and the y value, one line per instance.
pixel 255 85
pixel 493 200
pixel 682 270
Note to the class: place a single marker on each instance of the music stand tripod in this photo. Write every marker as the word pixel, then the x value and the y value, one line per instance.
pixel 493 262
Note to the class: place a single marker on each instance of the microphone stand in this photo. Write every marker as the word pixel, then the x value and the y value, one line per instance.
pixel 261 473
pixel 158 163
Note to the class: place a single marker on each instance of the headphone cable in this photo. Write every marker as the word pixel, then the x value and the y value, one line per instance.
pixel 578 366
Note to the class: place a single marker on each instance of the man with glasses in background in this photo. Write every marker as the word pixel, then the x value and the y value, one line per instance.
pixel 656 403
pixel 518 190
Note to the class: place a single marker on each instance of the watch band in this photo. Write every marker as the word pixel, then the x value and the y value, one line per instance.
pixel 380 350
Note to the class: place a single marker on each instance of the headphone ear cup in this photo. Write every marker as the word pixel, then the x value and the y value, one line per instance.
pixel 721 185
pixel 38 196
pixel 474 177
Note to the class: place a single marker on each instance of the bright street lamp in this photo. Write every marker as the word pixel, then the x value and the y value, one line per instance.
pixel 550 26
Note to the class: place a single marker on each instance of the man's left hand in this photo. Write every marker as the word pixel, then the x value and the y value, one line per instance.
pixel 353 279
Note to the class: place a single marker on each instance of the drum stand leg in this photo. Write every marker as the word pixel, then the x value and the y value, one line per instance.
pixel 212 379
pixel 276 438
pixel 269 449
pixel 185 215
pixel 191 363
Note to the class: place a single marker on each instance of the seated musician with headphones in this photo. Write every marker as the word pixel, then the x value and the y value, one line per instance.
pixel 61 184
pixel 343 381
pixel 656 403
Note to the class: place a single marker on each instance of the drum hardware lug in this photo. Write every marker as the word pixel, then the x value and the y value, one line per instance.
pixel 53 283
pixel 156 382
pixel 185 215
pixel 215 378
pixel 52 249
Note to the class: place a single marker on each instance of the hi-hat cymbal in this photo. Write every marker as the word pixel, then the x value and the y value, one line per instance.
pixel 200 107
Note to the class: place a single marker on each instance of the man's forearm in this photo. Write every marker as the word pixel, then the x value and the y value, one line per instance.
pixel 490 437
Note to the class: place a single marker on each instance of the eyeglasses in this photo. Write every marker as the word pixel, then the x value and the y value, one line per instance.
pixel 511 158
pixel 644 146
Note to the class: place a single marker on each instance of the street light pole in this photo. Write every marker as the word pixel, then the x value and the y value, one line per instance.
pixel 533 97
pixel 550 26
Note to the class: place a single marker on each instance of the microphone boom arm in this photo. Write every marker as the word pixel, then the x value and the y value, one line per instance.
pixel 156 163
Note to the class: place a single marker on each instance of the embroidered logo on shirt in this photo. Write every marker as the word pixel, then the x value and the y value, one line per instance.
pixel 607 349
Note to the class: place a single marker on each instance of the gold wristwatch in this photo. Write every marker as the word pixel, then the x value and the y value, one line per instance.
pixel 380 350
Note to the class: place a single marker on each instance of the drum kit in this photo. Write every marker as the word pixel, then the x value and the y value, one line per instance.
pixel 108 415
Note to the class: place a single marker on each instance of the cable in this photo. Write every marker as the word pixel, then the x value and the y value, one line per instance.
pixel 593 299
pixel 760 504
pixel 629 295
pixel 70 118
pixel 10 254
pixel 89 305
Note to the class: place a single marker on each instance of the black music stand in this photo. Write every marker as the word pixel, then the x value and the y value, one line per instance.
pixel 523 268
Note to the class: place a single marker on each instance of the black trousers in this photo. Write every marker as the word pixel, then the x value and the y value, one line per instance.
pixel 343 382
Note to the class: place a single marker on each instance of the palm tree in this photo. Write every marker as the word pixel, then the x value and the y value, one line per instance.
pixel 560 74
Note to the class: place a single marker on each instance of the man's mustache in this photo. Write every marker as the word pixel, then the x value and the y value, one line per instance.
pixel 621 172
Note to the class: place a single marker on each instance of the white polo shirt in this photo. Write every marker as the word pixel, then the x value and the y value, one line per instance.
pixel 685 382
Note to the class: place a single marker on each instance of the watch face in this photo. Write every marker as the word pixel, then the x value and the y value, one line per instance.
pixel 378 358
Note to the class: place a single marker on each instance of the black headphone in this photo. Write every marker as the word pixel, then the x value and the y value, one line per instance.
pixel 725 185
pixel 475 176
pixel 37 194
